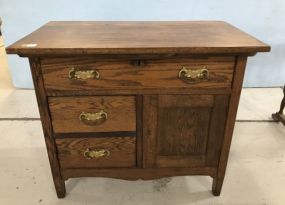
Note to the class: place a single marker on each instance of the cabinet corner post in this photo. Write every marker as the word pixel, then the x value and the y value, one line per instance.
pixel 239 70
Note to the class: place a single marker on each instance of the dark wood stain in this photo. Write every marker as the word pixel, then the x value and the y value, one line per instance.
pixel 139 130
pixel 95 134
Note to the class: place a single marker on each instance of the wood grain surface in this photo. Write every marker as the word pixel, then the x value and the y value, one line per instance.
pixel 122 152
pixel 42 101
pixel 150 122
pixel 152 74
pixel 138 173
pixel 216 129
pixel 187 134
pixel 65 111
pixel 229 125
pixel 183 123
pixel 183 130
pixel 83 38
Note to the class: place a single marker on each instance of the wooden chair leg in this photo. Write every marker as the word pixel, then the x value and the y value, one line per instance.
pixel 278 116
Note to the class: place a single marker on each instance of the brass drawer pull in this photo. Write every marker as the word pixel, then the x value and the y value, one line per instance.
pixel 91 154
pixel 191 76
pixel 83 74
pixel 93 118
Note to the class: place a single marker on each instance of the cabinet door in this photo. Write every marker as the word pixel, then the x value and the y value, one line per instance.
pixel 183 130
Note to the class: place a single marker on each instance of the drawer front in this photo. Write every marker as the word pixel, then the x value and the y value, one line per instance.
pixel 96 152
pixel 82 75
pixel 93 114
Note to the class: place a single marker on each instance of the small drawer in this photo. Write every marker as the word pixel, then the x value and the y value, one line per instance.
pixel 82 75
pixel 97 152
pixel 93 114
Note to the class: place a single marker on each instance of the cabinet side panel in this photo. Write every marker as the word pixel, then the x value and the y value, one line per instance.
pixel 47 127
pixel 232 111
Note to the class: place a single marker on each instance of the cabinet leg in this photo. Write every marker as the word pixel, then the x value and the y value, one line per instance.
pixel 60 188
pixel 217 186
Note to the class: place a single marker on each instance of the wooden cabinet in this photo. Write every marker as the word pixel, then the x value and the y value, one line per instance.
pixel 137 100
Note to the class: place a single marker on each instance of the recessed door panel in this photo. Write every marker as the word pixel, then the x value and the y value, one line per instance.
pixel 183 130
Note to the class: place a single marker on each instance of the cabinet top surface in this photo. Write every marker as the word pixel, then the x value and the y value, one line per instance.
pixel 142 37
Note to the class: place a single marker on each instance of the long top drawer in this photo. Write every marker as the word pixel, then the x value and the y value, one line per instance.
pixel 88 74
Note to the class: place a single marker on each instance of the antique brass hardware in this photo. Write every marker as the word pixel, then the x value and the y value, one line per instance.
pixel 191 76
pixel 83 74
pixel 91 154
pixel 93 118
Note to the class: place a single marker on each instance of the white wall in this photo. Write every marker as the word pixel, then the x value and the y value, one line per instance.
pixel 264 19
pixel 5 77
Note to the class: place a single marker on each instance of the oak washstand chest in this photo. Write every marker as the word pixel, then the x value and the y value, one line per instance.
pixel 137 100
